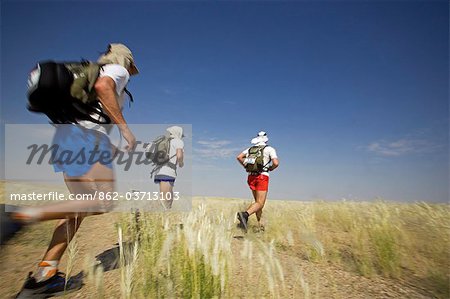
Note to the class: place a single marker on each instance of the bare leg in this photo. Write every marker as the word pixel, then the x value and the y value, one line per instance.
pixel 66 228
pixel 258 215
pixel 254 197
pixel 98 178
pixel 258 205
pixel 166 190
pixel 62 235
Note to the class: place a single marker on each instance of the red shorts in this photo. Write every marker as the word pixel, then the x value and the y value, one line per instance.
pixel 258 182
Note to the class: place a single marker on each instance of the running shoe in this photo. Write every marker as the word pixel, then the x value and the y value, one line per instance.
pixel 54 286
pixel 243 220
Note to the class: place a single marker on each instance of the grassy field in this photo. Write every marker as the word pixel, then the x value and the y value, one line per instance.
pixel 308 250
pixel 406 244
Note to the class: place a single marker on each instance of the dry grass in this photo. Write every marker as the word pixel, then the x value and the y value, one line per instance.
pixel 407 242
pixel 197 254
pixel 190 255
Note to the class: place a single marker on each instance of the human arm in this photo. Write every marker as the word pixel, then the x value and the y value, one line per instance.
pixel 241 158
pixel 274 165
pixel 105 88
pixel 180 157
pixel 273 158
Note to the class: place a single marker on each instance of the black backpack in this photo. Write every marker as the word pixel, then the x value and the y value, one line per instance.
pixel 65 92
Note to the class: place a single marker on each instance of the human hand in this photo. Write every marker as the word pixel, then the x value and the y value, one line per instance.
pixel 131 140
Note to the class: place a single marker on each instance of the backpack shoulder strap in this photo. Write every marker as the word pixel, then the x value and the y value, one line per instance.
pixel 85 75
pixel 270 159
pixel 170 157
pixel 261 149
pixel 93 71
pixel 129 95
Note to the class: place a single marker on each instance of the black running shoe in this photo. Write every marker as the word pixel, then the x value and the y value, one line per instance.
pixel 54 286
pixel 243 220
pixel 8 226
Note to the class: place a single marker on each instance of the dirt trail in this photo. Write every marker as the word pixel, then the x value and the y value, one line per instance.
pixel 323 280
pixel 97 235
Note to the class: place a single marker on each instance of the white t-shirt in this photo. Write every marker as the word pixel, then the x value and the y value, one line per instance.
pixel 120 76
pixel 175 144
pixel 269 154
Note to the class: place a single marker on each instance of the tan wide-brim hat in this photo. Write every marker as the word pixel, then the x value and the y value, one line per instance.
pixel 120 54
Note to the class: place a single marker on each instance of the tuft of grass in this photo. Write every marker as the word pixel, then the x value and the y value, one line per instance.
pixel 128 256
pixel 189 259
pixel 305 289
pixel 274 271
pixel 72 249
pixel 94 274
pixel 385 236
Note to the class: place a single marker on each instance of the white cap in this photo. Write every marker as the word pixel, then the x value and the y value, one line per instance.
pixel 260 138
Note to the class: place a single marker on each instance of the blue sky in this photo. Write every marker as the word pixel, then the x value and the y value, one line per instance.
pixel 353 95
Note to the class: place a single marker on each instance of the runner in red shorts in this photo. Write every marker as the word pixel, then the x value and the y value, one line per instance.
pixel 258 160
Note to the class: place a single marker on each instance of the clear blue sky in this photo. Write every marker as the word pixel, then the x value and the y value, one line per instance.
pixel 353 95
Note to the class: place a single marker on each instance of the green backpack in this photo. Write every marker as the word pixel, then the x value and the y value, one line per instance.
pixel 255 159
pixel 158 153
pixel 158 150
pixel 85 75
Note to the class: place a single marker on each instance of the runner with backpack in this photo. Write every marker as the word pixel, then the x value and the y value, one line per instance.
pixel 80 99
pixel 257 160
pixel 166 153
